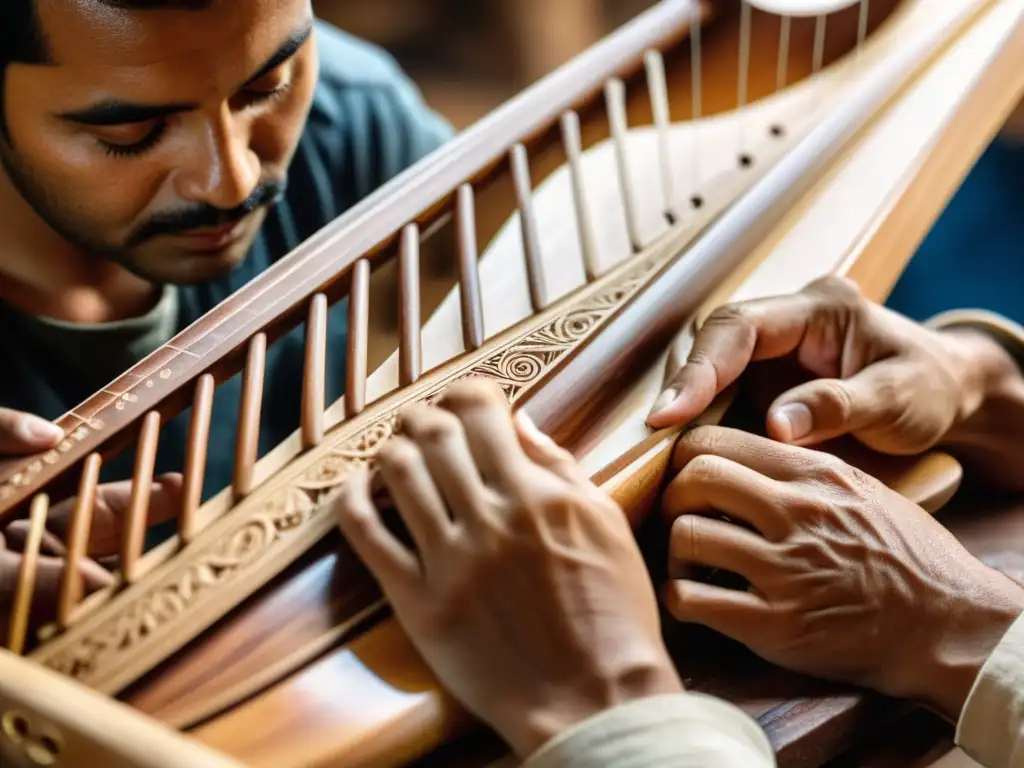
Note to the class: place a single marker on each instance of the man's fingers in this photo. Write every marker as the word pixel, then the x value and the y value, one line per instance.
pixel 733 613
pixel 412 487
pixel 17 536
pixel 731 338
pixel 113 501
pixel 442 444
pixel 95 575
pixel 49 579
pixel 22 434
pixel 709 482
pixel 824 409
pixel 763 455
pixel 487 420
pixel 394 566
pixel 696 540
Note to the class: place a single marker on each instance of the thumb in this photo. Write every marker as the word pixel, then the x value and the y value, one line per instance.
pixel 22 434
pixel 824 409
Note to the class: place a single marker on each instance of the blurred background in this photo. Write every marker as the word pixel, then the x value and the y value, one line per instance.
pixel 470 56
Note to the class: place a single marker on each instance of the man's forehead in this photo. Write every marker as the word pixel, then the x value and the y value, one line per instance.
pixel 91 34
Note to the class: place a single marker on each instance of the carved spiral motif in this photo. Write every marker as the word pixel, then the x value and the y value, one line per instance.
pixel 201 573
pixel 518 366
pixel 575 325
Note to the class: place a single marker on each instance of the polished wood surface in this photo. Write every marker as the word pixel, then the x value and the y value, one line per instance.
pixel 296 661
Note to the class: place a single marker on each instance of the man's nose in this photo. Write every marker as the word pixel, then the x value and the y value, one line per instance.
pixel 224 170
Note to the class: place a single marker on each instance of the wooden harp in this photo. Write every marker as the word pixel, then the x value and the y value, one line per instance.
pixel 565 246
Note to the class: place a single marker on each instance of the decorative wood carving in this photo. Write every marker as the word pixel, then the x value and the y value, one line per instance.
pixel 556 363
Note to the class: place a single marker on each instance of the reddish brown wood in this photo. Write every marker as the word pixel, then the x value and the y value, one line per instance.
pixel 520 164
pixel 135 522
pixel 195 457
pixel 358 335
pixel 274 302
pixel 573 144
pixel 410 356
pixel 78 539
pixel 615 100
pixel 469 271
pixel 249 410
pixel 314 379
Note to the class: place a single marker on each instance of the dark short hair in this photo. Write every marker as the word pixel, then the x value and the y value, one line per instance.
pixel 22 40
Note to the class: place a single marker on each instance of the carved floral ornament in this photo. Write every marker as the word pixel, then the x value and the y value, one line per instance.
pixel 260 538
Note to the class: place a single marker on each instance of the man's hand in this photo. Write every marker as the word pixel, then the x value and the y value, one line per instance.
pixel 110 509
pixel 22 434
pixel 527 594
pixel 895 385
pixel 848 580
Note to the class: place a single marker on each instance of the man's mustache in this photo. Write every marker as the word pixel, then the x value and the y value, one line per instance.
pixel 202 216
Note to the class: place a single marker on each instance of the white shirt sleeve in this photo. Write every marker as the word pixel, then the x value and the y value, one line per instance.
pixel 991 727
pixel 685 730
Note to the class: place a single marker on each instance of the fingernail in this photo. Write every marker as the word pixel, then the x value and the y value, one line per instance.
pixel 796 419
pixel 665 399
pixel 34 429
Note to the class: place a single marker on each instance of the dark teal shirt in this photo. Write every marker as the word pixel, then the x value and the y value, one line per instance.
pixel 974 255
pixel 367 123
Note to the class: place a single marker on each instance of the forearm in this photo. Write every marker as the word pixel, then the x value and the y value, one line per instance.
pixel 685 730
pixel 988 435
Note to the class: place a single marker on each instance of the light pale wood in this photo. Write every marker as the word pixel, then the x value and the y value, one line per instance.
pixel 931 495
pixel 634 160
pixel 46 719
pixel 925 25
pixel 137 517
pixel 24 589
pixel 78 539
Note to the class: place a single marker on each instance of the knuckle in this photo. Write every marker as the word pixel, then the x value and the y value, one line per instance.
pixel 704 468
pixel 836 473
pixel 838 288
pixel 703 439
pixel 398 457
pixel 839 397
pixel 433 427
pixel 683 538
pixel 737 317
pixel 474 392
pixel 736 313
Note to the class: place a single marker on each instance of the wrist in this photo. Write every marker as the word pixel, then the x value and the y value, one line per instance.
pixel 988 378
pixel 942 674
pixel 532 727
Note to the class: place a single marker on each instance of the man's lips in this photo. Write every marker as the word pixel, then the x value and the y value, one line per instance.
pixel 213 239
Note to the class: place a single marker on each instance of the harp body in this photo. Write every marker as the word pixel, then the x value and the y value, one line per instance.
pixel 566 246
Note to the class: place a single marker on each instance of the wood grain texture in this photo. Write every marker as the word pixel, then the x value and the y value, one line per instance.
pixel 46 719
pixel 275 301
pixel 805 720
pixel 821 724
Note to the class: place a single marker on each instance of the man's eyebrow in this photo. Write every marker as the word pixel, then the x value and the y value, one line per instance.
pixel 114 112
pixel 285 52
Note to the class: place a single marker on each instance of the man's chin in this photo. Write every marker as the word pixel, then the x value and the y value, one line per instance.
pixel 180 266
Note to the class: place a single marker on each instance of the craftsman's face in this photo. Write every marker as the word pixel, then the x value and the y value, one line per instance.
pixel 158 138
